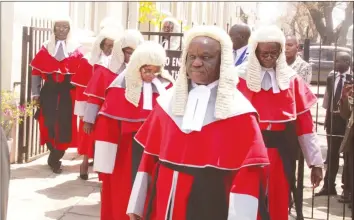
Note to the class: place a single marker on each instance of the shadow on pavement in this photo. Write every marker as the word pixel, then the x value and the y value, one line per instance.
pixel 87 212
pixel 40 171
pixel 69 189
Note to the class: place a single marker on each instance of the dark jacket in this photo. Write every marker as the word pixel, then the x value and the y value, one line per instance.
pixel 346 112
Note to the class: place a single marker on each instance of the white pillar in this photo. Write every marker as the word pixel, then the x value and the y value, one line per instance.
pixel 88 9
pixel 133 17
pixel 226 15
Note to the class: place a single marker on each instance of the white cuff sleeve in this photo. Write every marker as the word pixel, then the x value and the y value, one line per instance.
pixel 105 157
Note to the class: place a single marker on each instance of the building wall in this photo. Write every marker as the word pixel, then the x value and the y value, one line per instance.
pixel 7 9
pixel 15 15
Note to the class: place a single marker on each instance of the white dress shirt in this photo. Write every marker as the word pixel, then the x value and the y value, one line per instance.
pixel 238 53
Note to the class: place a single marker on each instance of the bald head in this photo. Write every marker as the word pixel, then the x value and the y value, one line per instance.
pixel 291 48
pixel 292 38
pixel 342 62
pixel 239 33
pixel 344 56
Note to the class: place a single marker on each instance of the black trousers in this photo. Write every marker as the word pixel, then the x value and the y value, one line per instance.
pixel 55 156
pixel 333 143
pixel 347 176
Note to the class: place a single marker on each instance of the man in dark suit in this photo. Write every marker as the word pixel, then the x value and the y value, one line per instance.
pixel 240 34
pixel 347 147
pixel 334 124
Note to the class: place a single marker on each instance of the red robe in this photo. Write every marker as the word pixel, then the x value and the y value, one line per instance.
pixel 178 165
pixel 80 80
pixel 45 65
pixel 278 112
pixel 102 77
pixel 117 155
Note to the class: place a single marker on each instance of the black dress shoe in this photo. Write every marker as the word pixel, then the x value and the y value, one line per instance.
pixel 344 200
pixel 57 170
pixel 326 192
pixel 84 176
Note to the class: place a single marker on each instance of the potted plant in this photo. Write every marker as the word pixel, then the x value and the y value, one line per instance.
pixel 12 113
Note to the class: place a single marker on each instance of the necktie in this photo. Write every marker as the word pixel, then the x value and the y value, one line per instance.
pixel 60 53
pixel 338 92
pixel 267 81
pixel 235 55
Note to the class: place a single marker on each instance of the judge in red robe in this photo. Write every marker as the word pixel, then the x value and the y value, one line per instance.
pixel 55 63
pixel 283 101
pixel 129 100
pixel 102 77
pixel 203 150
pixel 100 54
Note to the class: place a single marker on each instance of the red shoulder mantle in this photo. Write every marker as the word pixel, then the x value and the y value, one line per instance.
pixel 83 73
pixel 225 144
pixel 102 77
pixel 46 63
pixel 283 106
pixel 116 106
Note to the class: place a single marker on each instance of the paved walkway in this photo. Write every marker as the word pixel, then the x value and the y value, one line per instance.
pixel 38 194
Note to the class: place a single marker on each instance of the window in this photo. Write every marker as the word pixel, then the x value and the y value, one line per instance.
pixel 165 7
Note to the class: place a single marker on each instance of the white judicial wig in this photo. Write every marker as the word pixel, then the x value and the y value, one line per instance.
pixel 106 33
pixel 111 22
pixel 227 81
pixel 130 38
pixel 175 41
pixel 253 68
pixel 148 53
pixel 69 45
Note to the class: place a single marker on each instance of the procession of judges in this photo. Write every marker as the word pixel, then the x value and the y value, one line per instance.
pixel 218 143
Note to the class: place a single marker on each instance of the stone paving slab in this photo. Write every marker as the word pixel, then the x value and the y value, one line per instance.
pixel 41 195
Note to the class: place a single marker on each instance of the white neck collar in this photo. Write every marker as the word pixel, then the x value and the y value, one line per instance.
pixel 241 49
pixel 62 42
pixel 272 83
pixel 210 86
pixel 197 105
pixel 105 60
pixel 147 92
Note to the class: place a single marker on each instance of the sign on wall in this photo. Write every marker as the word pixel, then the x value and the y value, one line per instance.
pixel 173 62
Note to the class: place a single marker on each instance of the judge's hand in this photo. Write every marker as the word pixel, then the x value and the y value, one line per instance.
pixel 35 100
pixel 134 217
pixel 88 127
pixel 347 90
pixel 316 176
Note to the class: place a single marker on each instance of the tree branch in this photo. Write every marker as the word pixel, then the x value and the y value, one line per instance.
pixel 342 28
